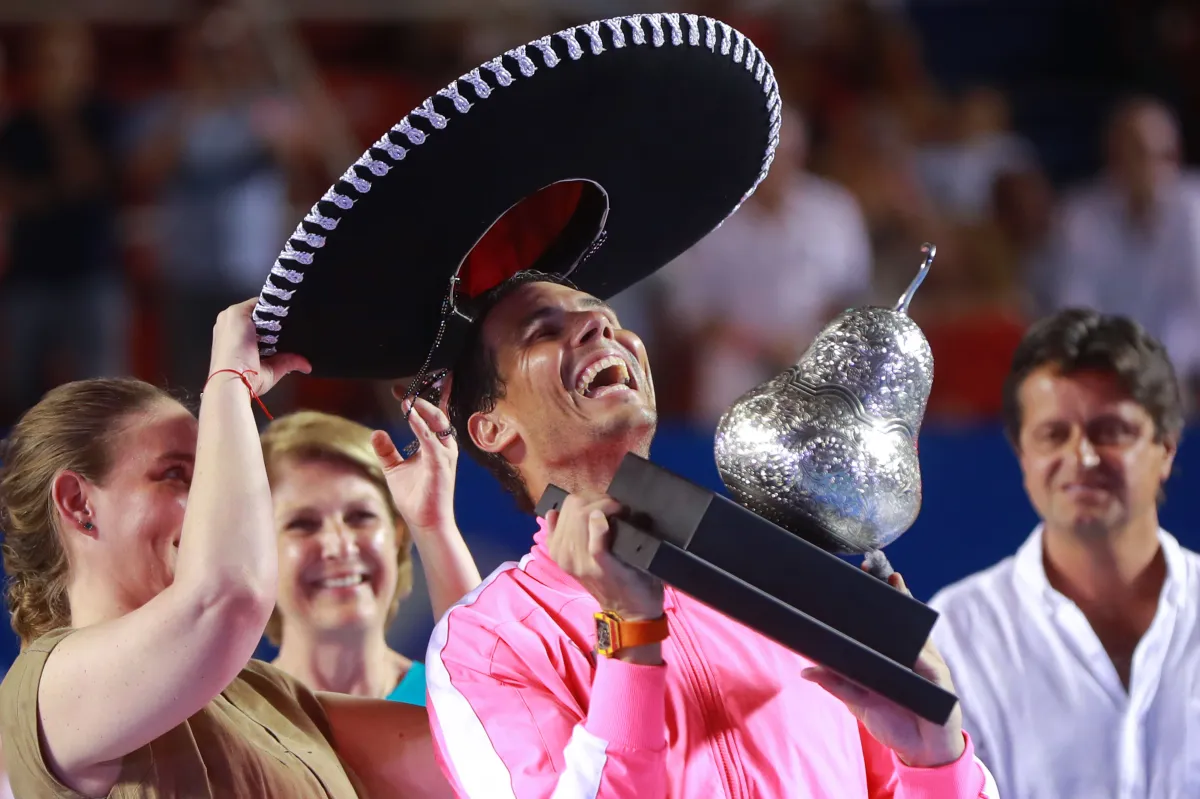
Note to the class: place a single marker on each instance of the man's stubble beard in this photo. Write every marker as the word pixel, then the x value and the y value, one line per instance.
pixel 634 437
pixel 608 438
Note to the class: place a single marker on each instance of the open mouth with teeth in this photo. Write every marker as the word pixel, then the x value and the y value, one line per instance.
pixel 340 582
pixel 609 375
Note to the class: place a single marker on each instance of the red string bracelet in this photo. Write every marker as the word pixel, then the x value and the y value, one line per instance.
pixel 249 387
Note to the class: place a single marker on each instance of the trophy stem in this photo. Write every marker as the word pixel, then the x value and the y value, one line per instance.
pixel 929 250
pixel 878 564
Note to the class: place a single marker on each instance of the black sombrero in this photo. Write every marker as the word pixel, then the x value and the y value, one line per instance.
pixel 629 140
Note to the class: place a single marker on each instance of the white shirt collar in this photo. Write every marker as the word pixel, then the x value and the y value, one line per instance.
pixel 1030 567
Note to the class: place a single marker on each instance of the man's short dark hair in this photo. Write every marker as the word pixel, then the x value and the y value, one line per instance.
pixel 1078 340
pixel 478 384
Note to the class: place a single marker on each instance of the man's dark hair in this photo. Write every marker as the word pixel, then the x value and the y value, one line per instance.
pixel 478 384
pixel 1077 340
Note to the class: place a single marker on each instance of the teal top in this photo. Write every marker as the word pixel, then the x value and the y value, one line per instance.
pixel 411 689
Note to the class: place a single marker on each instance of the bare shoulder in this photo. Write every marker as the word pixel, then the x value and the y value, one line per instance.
pixel 388 745
pixel 396 720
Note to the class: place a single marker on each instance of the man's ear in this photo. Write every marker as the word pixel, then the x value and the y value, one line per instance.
pixel 492 432
pixel 1170 446
pixel 70 494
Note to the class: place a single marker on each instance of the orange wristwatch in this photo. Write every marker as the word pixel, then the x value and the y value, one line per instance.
pixel 614 633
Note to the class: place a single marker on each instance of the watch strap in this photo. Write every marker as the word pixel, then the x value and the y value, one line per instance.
pixel 614 634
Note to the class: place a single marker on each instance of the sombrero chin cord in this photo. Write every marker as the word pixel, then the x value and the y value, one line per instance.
pixel 420 383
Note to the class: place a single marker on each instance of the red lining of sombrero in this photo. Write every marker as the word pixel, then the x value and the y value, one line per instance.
pixel 520 237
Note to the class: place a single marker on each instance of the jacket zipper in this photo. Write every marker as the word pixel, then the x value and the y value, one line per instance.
pixel 725 751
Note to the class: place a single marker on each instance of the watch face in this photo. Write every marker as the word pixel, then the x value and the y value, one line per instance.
pixel 603 636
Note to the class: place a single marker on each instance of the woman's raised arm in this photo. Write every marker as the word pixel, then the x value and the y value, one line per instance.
pixel 113 687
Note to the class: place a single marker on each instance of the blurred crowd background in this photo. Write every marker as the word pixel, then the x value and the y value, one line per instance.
pixel 154 157
pixel 155 154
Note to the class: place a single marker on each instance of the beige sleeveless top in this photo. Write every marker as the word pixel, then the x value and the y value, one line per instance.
pixel 265 736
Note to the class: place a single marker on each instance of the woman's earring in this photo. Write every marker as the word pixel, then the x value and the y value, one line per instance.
pixel 89 526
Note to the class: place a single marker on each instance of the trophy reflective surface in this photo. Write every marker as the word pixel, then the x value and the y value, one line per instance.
pixel 828 449
pixel 820 461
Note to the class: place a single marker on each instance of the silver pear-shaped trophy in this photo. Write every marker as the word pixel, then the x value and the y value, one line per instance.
pixel 820 461
pixel 828 449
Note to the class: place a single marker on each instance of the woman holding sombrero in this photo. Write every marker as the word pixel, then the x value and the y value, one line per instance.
pixel 140 552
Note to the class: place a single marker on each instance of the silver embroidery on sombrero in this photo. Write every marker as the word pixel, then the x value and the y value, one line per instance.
pixel 635 27
pixel 451 93
pixel 290 275
pixel 475 79
pixel 700 31
pixel 291 253
pixel 574 51
pixel 360 184
pixel 275 291
pixel 618 35
pixel 274 310
pixel 524 62
pixel 376 167
pixel 546 46
pixel 592 31
pixel 340 200
pixel 427 111
pixel 405 129
pixel 656 29
pixel 503 76
pixel 394 151
pixel 265 324
pixel 314 240
pixel 315 217
pixel 676 31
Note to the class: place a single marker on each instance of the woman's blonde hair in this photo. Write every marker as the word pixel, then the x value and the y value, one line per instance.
pixel 308 436
pixel 72 428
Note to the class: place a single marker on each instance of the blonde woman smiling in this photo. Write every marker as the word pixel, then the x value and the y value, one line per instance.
pixel 341 496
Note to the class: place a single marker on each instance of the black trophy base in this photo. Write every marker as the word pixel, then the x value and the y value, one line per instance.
pixel 774 582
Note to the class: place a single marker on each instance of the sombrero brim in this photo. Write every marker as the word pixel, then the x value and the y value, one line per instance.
pixel 673 119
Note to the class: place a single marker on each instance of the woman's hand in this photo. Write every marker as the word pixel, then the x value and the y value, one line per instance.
pixel 235 346
pixel 422 488
pixel 423 485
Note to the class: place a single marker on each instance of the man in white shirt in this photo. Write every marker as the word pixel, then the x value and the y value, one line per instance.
pixel 1077 660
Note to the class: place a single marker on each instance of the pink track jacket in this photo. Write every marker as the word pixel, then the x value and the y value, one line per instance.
pixel 522 708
